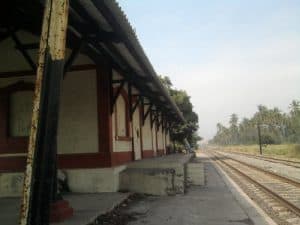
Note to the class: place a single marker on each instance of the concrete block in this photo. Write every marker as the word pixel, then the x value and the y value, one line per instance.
pixel 11 184
pixel 155 181
pixel 177 162
pixel 195 173
pixel 94 180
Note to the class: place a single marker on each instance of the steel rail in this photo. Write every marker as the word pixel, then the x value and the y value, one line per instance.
pixel 270 159
pixel 275 175
pixel 283 201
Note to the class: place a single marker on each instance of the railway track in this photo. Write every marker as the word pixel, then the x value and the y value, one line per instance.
pixel 278 196
pixel 295 164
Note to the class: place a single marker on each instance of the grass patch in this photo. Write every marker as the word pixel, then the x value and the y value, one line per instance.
pixel 289 151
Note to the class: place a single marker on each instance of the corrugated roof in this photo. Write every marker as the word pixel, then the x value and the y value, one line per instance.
pixel 132 39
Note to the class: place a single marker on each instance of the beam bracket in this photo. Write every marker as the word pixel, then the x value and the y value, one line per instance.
pixel 25 54
pixel 117 94
pixel 74 54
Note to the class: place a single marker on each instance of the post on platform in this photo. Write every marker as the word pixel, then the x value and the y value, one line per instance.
pixel 40 175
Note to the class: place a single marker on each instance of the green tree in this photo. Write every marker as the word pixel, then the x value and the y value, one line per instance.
pixel 276 127
pixel 294 122
pixel 183 101
pixel 234 131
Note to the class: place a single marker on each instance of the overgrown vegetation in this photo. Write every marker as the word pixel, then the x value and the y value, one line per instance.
pixel 189 130
pixel 276 127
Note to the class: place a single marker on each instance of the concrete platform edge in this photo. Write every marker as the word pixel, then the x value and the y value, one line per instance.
pixel 257 215
pixel 94 220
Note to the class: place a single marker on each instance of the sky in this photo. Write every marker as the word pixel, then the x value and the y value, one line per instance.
pixel 230 56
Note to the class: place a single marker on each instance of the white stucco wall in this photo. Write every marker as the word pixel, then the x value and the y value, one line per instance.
pixel 163 139
pixel 160 139
pixel 136 129
pixel 78 131
pixel 120 145
pixel 20 107
pixel 154 140
pixel 147 133
pixel 78 123
pixel 20 111
pixel 168 139
pixel 78 116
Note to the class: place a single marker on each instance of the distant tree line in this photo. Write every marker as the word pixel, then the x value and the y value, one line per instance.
pixel 276 127
pixel 188 131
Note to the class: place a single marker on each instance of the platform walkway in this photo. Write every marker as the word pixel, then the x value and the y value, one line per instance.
pixel 87 207
pixel 215 203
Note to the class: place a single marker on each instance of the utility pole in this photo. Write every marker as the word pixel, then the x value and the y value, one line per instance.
pixel 259 138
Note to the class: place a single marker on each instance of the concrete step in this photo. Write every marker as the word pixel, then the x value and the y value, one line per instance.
pixel 154 181
pixel 177 162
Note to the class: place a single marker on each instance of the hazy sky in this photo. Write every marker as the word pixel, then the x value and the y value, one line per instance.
pixel 229 55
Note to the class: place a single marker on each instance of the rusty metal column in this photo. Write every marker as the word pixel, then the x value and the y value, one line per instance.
pixel 40 175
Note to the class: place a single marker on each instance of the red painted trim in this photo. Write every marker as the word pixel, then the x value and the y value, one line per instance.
pixel 84 160
pixel 60 211
pixel 13 145
pixel 104 110
pixel 12 164
pixel 148 153
pixel 119 158
pixel 65 161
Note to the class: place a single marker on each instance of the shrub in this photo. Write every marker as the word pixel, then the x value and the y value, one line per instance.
pixel 267 139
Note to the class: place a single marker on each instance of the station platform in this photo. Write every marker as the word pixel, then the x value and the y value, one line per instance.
pixel 87 207
pixel 212 199
pixel 217 202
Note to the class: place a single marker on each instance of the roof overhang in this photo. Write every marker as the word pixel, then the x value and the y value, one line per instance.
pixel 104 27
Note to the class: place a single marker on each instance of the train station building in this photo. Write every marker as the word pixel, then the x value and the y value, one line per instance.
pixel 112 108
